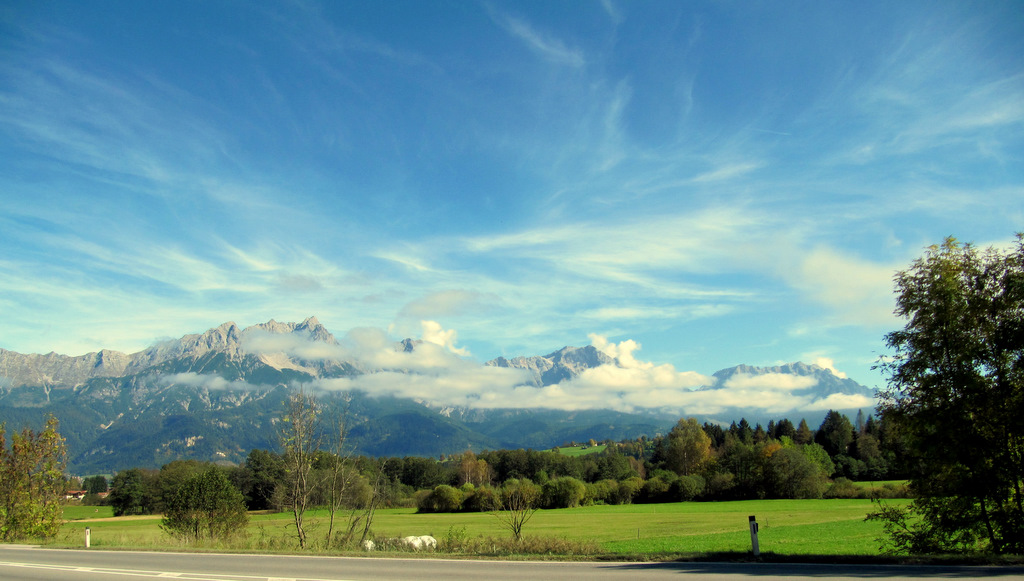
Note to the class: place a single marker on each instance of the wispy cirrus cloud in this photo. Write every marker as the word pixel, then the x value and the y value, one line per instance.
pixel 546 45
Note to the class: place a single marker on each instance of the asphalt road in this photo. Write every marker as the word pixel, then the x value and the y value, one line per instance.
pixel 28 563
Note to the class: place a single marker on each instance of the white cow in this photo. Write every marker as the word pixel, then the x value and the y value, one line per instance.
pixel 417 543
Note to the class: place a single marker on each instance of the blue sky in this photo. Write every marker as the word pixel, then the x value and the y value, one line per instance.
pixel 718 182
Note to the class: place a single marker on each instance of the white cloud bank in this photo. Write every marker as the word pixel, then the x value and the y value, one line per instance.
pixel 438 372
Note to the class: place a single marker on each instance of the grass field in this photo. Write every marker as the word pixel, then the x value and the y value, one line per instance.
pixel 787 527
pixel 576 451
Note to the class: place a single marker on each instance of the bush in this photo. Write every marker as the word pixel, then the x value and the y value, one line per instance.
pixel 483 499
pixel 655 490
pixel 628 490
pixel 564 492
pixel 205 505
pixel 844 488
pixel 794 475
pixel 443 498
pixel 602 492
pixel 891 490
pixel 720 486
pixel 687 488
pixel 419 498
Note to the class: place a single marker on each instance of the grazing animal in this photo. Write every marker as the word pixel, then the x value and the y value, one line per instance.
pixel 421 542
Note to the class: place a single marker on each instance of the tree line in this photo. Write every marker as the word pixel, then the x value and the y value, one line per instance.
pixel 691 462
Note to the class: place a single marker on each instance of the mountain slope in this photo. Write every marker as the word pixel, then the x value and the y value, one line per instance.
pixel 216 395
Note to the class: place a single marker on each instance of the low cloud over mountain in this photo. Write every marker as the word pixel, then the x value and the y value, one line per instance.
pixel 433 369
pixel 603 375
pixel 218 373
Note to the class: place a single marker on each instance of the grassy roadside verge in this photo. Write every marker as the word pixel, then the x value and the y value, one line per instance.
pixel 643 531
pixel 791 531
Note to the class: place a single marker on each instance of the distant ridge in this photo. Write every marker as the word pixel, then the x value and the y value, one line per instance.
pixel 215 395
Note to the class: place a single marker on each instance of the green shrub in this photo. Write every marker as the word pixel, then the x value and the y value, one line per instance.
pixel 656 490
pixel 720 486
pixel 843 488
pixel 563 492
pixel 687 488
pixel 483 499
pixel 629 489
pixel 206 505
pixel 602 492
pixel 443 498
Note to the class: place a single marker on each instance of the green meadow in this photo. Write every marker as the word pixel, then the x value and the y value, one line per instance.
pixel 649 531
pixel 576 451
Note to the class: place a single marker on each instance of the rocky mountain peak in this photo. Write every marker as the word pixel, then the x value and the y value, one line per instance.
pixel 827 381
pixel 316 332
pixel 566 363
pixel 310 328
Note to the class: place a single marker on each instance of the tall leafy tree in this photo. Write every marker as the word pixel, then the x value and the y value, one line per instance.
pixel 95 484
pixel 31 482
pixel 134 491
pixel 956 390
pixel 263 471
pixel 689 448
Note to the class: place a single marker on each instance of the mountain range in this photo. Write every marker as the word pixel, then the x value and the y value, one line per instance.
pixel 216 395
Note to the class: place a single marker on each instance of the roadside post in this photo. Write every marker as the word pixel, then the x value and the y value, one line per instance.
pixel 87 534
pixel 753 536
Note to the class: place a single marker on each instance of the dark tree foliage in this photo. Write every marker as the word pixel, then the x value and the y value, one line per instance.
pixel 784 428
pixel 956 391
pixel 803 435
pixel 134 491
pixel 760 434
pixel 835 433
pixel 264 470
pixel 715 432
pixel 95 484
pixel 172 476
pixel 742 431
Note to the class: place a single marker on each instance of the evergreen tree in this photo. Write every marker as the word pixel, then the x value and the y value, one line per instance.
pixel 804 435
pixel 716 433
pixel 760 435
pixel 743 431
pixel 786 429
pixel 835 434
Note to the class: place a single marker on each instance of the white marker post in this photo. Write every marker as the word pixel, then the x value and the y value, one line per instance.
pixel 87 534
pixel 753 536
